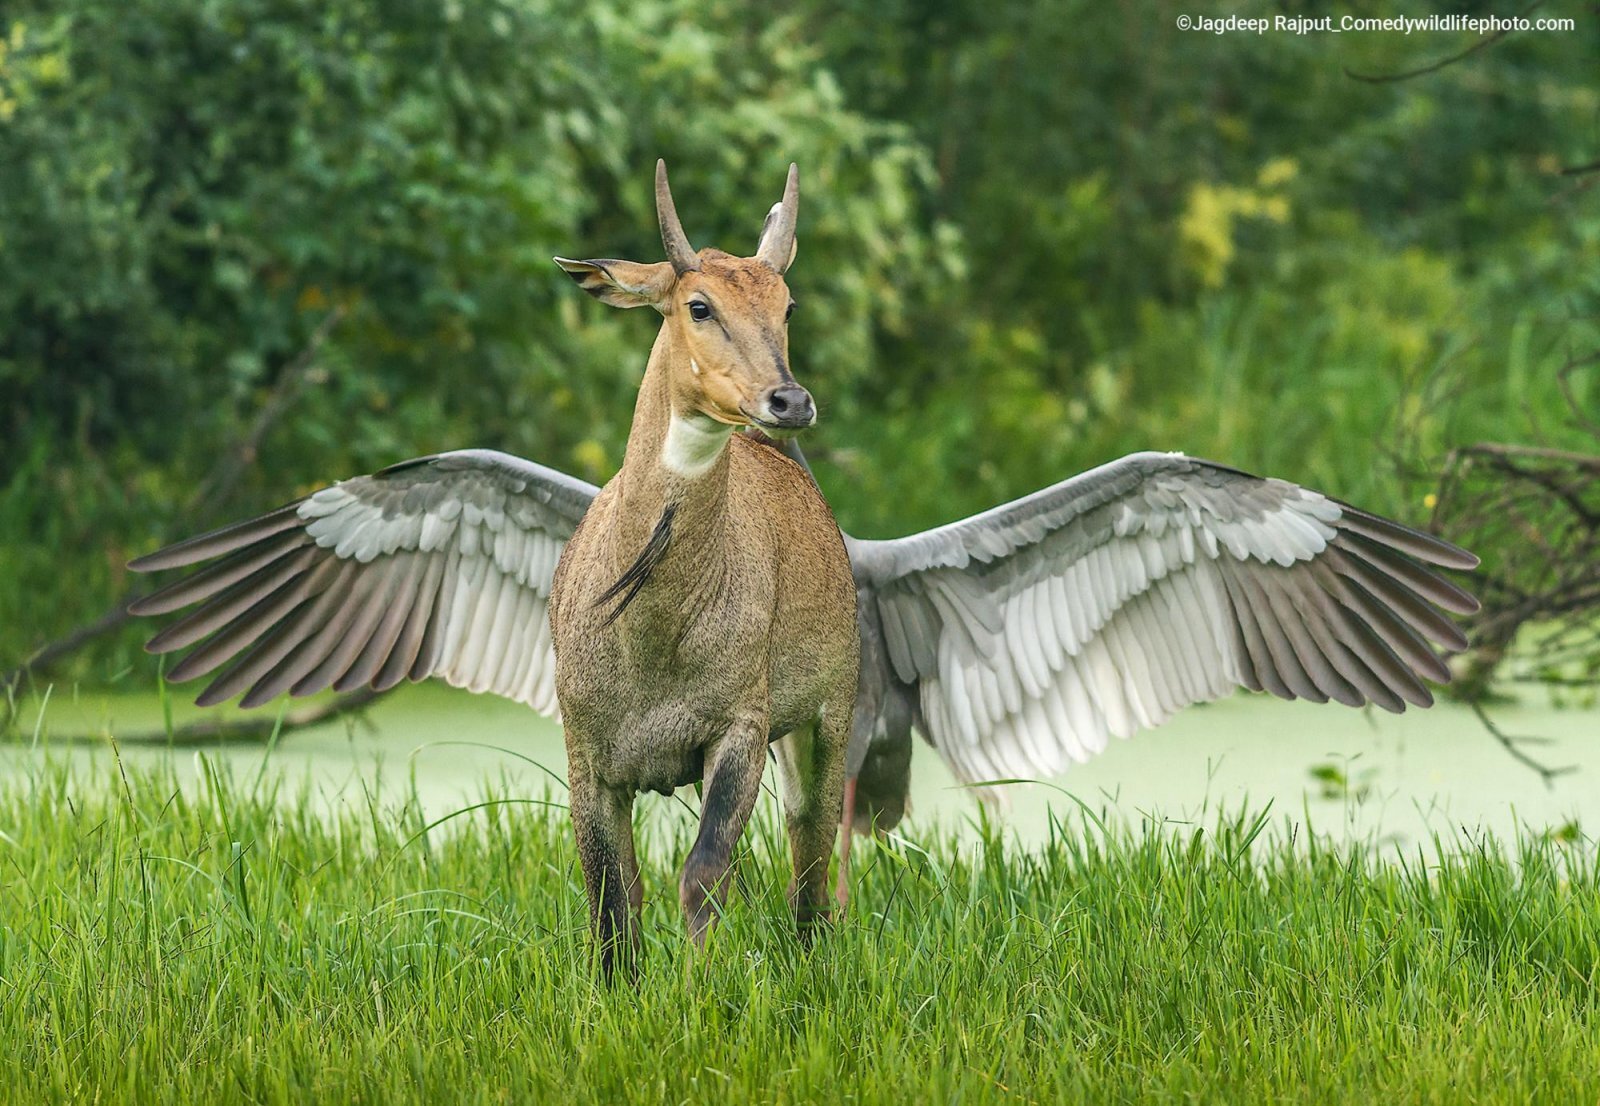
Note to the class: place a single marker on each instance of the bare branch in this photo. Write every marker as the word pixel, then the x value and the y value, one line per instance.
pixel 1511 745
pixel 48 654
pixel 1481 44
pixel 1564 380
pixel 290 383
pixel 1539 509
pixel 1509 452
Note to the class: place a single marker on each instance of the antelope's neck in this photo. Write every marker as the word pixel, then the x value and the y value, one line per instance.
pixel 675 460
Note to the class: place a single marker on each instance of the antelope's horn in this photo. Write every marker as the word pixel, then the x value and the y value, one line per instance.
pixel 679 252
pixel 777 238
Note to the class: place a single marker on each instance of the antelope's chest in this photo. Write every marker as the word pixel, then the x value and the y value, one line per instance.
pixel 649 735
pixel 658 748
pixel 643 695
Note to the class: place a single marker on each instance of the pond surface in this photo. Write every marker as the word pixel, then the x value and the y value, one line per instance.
pixel 1399 778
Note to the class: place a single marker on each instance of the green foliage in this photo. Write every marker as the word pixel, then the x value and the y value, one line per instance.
pixel 1033 237
pixel 1225 245
pixel 195 186
pixel 230 942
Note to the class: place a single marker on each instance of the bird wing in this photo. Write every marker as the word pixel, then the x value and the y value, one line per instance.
pixel 439 566
pixel 1107 602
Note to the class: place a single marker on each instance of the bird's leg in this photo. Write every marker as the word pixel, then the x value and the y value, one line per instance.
pixel 734 765
pixel 603 820
pixel 841 891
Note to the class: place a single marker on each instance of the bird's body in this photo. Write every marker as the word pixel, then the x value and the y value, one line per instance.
pixel 878 763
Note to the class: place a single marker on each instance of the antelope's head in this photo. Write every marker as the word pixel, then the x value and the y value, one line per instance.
pixel 725 318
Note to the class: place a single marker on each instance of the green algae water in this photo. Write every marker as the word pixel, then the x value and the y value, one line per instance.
pixel 1337 772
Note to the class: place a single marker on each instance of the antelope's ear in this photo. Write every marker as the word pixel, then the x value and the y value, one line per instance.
pixel 622 283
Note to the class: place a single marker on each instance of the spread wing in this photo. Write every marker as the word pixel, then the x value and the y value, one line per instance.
pixel 1104 604
pixel 439 566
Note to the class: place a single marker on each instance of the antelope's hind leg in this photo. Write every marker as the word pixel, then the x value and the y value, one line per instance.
pixel 603 820
pixel 811 764
pixel 733 780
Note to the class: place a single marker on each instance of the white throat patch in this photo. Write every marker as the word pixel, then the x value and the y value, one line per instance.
pixel 694 442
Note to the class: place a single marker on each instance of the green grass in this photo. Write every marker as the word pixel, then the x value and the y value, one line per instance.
pixel 234 943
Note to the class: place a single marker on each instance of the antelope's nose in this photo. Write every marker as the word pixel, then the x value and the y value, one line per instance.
pixel 789 406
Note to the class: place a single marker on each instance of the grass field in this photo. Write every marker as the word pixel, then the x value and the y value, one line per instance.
pixel 230 943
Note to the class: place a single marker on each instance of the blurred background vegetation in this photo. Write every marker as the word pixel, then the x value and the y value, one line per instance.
pixel 253 246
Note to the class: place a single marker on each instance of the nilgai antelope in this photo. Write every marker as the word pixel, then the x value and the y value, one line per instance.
pixel 702 609
pixel 1017 641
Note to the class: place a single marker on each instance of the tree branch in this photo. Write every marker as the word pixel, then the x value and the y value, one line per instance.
pixel 65 646
pixel 226 476
pixel 1509 743
pixel 1564 380
pixel 1434 67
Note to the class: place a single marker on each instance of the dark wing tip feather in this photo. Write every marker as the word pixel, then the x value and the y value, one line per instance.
pixel 214 543
pixel 1390 562
pixel 146 605
pixel 1375 596
pixel 1418 543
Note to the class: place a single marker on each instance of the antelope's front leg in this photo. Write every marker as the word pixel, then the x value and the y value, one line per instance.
pixel 733 779
pixel 603 820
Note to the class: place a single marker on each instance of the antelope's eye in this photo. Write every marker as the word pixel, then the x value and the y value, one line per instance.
pixel 788 311
pixel 699 310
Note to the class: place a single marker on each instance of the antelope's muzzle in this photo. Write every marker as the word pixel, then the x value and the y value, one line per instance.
pixel 788 407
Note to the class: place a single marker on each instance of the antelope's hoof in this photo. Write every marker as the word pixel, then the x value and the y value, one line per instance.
pixel 810 917
pixel 699 917
pixel 619 963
